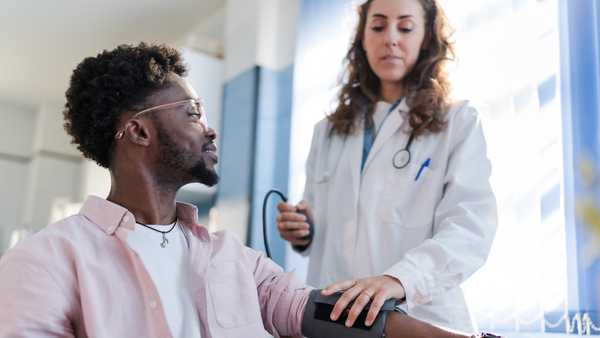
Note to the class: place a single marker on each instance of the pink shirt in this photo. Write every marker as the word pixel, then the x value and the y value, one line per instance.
pixel 79 278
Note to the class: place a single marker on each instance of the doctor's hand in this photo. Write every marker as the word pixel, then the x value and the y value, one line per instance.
pixel 292 223
pixel 377 289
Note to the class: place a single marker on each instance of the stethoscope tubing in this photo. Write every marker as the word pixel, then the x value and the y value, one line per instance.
pixel 402 157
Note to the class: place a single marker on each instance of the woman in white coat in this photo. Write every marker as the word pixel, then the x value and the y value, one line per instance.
pixel 397 179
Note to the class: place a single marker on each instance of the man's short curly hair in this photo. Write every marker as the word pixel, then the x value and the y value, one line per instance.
pixel 113 82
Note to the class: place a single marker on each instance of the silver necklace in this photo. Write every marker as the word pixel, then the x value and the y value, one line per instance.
pixel 165 241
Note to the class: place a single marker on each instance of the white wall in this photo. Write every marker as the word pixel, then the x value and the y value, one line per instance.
pixel 13 175
pixel 38 166
pixel 51 180
pixel 16 129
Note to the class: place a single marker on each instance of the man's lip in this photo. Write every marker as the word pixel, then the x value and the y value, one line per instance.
pixel 211 151
pixel 387 57
pixel 214 156
pixel 210 147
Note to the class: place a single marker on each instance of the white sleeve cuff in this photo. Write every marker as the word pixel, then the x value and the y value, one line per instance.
pixel 413 281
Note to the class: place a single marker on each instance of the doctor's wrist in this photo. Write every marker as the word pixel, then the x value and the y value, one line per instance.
pixel 301 248
pixel 401 295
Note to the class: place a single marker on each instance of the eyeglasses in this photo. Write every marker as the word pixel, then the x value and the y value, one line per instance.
pixel 197 111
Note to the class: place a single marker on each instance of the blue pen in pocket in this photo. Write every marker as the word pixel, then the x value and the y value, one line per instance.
pixel 423 166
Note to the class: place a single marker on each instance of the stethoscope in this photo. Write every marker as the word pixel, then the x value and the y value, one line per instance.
pixel 402 157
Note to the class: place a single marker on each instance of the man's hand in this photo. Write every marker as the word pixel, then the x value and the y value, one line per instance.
pixel 361 291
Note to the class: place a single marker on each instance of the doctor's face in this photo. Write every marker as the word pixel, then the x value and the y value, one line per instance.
pixel 393 37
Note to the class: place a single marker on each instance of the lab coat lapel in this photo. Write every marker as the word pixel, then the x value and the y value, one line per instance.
pixel 390 126
pixel 345 156
pixel 334 153
pixel 343 195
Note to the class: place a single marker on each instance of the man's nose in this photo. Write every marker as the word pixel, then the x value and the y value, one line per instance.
pixel 210 133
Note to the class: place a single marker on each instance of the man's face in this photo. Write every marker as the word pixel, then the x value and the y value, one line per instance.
pixel 185 144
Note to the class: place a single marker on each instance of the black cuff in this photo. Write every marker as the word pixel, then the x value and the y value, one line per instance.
pixel 316 322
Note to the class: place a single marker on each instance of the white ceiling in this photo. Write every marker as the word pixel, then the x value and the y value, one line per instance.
pixel 43 41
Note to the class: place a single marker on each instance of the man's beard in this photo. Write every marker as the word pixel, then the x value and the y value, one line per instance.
pixel 204 175
pixel 174 164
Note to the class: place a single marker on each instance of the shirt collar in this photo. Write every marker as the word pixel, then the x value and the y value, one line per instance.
pixel 110 216
pixel 384 105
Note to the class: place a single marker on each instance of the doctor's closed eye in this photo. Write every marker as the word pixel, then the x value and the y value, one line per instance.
pixel 406 26
pixel 402 27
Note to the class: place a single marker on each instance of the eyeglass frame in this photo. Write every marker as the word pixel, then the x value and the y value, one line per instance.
pixel 196 102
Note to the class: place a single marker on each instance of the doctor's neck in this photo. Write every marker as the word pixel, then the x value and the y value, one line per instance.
pixel 391 92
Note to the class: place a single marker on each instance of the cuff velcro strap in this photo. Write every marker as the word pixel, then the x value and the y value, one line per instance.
pixel 317 324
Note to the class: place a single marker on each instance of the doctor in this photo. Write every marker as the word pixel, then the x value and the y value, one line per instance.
pixel 397 188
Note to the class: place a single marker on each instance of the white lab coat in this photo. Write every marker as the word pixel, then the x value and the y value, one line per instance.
pixel 431 234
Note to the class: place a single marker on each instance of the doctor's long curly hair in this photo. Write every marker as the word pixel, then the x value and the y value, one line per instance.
pixel 427 82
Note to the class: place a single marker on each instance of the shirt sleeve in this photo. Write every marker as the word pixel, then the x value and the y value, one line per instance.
pixel 465 220
pixel 310 169
pixel 281 295
pixel 33 304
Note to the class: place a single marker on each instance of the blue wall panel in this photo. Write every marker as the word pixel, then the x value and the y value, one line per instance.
pixel 255 142
pixel 236 138
pixel 271 166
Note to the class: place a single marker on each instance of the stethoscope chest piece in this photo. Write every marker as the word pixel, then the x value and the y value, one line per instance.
pixel 401 159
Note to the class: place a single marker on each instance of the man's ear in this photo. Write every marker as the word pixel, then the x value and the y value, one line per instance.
pixel 138 132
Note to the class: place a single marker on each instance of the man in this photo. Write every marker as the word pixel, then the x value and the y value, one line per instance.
pixel 138 264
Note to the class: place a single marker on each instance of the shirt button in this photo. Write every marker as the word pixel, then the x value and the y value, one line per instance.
pixel 153 304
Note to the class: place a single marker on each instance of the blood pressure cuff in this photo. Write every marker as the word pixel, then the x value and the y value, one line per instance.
pixel 316 322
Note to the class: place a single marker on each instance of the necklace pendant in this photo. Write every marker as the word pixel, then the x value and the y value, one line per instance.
pixel 165 241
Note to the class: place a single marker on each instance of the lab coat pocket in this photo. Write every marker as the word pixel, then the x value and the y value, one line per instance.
pixel 424 196
pixel 421 175
pixel 322 178
pixel 410 198
pixel 234 296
